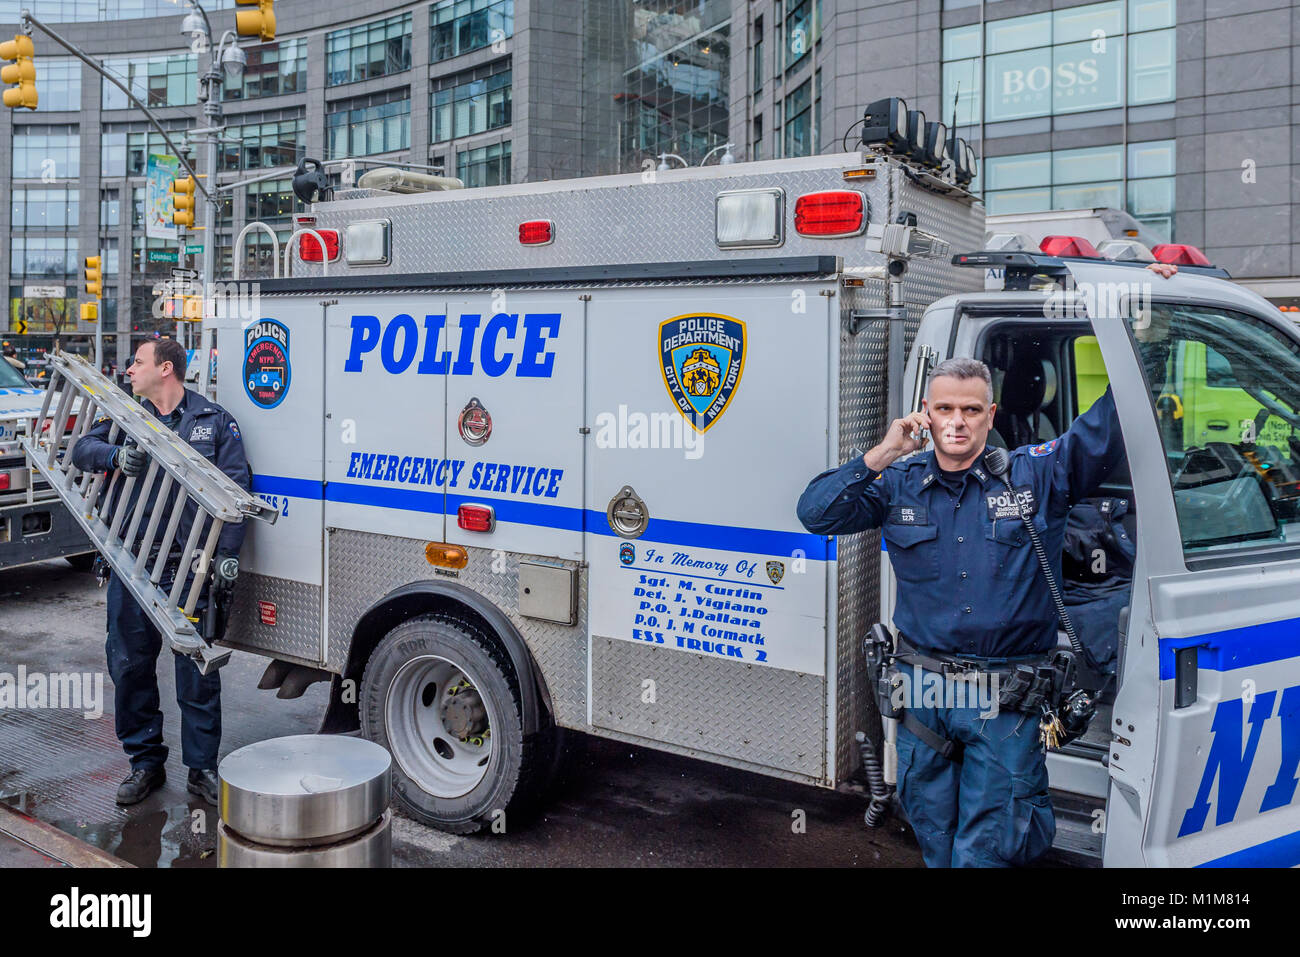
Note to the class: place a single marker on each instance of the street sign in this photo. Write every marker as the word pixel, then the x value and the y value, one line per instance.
pixel 20 327
pixel 162 256
pixel 193 248
pixel 185 274
pixel 45 292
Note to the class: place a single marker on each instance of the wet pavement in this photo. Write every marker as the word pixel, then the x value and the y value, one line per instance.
pixel 614 805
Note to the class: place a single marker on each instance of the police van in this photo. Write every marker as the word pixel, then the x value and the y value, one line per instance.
pixel 536 451
pixel 34 526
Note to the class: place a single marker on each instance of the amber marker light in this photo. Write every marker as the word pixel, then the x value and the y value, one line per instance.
pixel 446 556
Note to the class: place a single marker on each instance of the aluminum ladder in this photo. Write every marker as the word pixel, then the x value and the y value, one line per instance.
pixel 172 462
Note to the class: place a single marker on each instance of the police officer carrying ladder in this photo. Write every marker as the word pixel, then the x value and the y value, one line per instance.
pixel 972 598
pixel 157 376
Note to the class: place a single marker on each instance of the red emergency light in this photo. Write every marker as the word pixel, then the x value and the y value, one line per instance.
pixel 4 481
pixel 537 232
pixel 830 213
pixel 1075 246
pixel 1180 254
pixel 309 248
pixel 476 518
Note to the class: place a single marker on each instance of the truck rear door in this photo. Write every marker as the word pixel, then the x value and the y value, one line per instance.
pixel 1208 776
pixel 709 408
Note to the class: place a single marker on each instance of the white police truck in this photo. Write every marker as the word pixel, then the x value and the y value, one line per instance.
pixel 536 450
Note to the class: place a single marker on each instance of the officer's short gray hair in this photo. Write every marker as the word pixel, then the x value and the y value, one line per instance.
pixel 961 368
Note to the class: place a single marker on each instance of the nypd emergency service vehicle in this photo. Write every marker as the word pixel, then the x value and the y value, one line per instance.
pixel 536 451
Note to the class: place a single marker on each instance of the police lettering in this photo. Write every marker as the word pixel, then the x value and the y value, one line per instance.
pixel 494 345
pixel 266 330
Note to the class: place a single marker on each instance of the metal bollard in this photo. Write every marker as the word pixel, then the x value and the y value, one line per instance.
pixel 308 800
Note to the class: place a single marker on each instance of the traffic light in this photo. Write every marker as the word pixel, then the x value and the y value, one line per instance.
pixel 94 277
pixel 256 23
pixel 90 312
pixel 22 71
pixel 183 201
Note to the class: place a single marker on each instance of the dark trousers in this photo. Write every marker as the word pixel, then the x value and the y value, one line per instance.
pixel 992 808
pixel 132 650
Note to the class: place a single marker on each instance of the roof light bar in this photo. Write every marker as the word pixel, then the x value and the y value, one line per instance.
pixel 1070 246
pixel 1180 254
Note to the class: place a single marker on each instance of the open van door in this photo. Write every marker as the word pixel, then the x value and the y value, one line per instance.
pixel 1206 723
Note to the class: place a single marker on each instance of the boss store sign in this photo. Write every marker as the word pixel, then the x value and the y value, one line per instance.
pixel 1050 80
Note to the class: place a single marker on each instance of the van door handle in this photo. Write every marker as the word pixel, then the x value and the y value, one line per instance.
pixel 1185 677
pixel 1219 425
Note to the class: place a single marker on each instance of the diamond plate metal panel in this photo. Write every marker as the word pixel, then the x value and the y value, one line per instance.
pixel 862 422
pixel 768 718
pixel 606 219
pixel 363 568
pixel 296 633
pixel 960 223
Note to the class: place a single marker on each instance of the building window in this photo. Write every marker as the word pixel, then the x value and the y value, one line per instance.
pixel 676 82
pixel 370 124
pixel 124 150
pixel 798 121
pixel 44 208
pixel 1141 182
pixel 278 142
pixel 273 69
pixel 271 202
pixel 471 102
pixel 459 26
pixel 368 50
pixel 758 55
pixel 110 208
pixel 46 257
pixel 801 31
pixel 485 166
pixel 167 80
pixel 58 80
pixel 1099 56
pixel 757 151
pixel 44 152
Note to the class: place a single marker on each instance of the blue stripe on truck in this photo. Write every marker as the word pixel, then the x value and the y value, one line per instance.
pixel 1236 647
pixel 724 537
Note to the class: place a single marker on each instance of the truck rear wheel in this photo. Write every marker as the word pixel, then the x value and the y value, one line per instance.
pixel 441 696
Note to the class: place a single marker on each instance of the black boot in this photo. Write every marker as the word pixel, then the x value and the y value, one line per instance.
pixel 139 784
pixel 204 784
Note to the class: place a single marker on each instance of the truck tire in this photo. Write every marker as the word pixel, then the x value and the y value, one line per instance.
pixel 442 697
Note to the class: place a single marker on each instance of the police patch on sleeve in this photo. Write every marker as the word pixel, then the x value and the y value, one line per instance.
pixel 234 432
pixel 1047 448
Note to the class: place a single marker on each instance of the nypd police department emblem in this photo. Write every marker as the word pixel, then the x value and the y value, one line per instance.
pixel 627 553
pixel 775 572
pixel 266 363
pixel 702 357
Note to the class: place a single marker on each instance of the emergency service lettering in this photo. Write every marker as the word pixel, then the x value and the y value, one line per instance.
pixel 504 342
pixel 535 480
pixel 687 611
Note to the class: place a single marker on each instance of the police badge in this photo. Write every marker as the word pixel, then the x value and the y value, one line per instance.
pixel 775 572
pixel 702 358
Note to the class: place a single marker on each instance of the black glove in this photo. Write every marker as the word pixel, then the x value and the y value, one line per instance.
pixel 131 459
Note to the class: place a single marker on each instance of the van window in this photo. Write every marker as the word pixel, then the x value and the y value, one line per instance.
pixel 1225 388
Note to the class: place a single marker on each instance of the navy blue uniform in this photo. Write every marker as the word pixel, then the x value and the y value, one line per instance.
pixel 969 584
pixel 133 641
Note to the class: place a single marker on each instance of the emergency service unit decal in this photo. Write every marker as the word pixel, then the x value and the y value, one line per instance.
pixel 702 358
pixel 266 363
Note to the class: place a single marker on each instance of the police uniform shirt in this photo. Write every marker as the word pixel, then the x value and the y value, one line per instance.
pixel 969 582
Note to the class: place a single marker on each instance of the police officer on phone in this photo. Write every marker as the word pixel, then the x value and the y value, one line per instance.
pixel 157 376
pixel 971 596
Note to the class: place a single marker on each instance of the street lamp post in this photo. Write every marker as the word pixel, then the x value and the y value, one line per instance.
pixel 224 58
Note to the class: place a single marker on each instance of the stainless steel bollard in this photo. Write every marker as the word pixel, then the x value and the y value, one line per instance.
pixel 308 800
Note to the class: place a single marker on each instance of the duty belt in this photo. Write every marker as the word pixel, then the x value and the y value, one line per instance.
pixel 945 664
